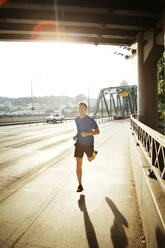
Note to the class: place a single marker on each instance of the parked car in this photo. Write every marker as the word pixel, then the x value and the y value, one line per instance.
pixel 55 118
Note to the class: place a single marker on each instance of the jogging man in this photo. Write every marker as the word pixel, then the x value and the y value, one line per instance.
pixel 86 129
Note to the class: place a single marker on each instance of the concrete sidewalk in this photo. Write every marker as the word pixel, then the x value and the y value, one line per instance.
pixel 48 213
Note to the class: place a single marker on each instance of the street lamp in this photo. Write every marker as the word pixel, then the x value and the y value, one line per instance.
pixel 32 95
pixel 88 103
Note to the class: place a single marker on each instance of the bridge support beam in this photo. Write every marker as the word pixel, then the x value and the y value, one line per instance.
pixel 148 56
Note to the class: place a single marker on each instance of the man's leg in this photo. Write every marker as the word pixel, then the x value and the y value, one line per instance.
pixel 92 157
pixel 91 153
pixel 79 172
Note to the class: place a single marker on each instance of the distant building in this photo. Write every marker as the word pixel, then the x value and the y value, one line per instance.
pixel 7 104
pixel 123 83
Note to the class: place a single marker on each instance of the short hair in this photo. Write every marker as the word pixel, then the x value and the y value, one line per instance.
pixel 83 103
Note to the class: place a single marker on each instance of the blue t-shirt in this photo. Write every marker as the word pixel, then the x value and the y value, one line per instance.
pixel 86 124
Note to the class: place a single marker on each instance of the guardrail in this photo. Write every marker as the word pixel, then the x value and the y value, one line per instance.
pixel 22 120
pixel 154 146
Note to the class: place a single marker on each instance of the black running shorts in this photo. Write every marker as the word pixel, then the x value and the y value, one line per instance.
pixel 80 149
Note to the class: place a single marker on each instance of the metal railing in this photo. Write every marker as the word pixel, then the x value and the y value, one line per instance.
pixel 154 146
pixel 23 120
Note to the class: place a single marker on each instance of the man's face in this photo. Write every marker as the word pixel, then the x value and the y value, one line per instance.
pixel 82 109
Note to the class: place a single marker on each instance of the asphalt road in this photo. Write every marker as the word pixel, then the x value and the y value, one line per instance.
pixel 39 206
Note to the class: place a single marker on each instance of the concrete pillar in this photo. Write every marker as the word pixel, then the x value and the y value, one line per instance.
pixel 164 26
pixel 147 85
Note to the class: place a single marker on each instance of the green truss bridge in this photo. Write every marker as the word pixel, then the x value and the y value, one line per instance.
pixel 119 101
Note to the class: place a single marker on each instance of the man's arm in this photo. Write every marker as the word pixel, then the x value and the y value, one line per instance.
pixel 75 137
pixel 94 132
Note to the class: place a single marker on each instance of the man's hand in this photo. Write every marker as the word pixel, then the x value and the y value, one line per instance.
pixel 94 132
pixel 84 134
pixel 75 138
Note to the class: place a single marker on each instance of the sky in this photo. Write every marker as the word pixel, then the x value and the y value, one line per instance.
pixel 61 69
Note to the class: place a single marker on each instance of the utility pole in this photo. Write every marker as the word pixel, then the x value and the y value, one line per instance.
pixel 58 102
pixel 88 103
pixel 32 96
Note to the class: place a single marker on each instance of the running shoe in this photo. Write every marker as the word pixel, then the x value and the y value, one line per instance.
pixel 80 188
pixel 94 154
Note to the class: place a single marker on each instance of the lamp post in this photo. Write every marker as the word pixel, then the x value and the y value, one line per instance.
pixel 32 95
pixel 88 103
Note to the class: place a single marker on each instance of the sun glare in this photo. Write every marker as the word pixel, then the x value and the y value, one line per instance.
pixel 2 2
pixel 60 68
pixel 51 29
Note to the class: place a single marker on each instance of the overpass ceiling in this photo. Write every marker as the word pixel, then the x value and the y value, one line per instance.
pixel 112 22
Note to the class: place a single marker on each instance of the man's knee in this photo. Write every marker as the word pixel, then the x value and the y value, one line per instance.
pixel 90 159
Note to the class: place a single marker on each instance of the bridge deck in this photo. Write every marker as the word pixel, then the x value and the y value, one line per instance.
pixel 47 212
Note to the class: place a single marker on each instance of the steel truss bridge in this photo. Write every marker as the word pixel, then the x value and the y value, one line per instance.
pixel 117 101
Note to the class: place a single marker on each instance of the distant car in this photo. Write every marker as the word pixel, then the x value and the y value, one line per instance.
pixel 55 118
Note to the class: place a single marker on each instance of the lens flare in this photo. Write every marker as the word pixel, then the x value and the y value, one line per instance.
pixel 2 2
pixel 48 30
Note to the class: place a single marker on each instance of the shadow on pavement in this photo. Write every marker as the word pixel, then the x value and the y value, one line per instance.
pixel 118 234
pixel 160 236
pixel 90 232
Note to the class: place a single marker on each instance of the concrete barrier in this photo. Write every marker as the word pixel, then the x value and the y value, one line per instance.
pixel 151 197
pixel 25 120
pixel 22 119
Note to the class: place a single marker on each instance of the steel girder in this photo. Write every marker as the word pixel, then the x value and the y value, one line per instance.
pixel 122 101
